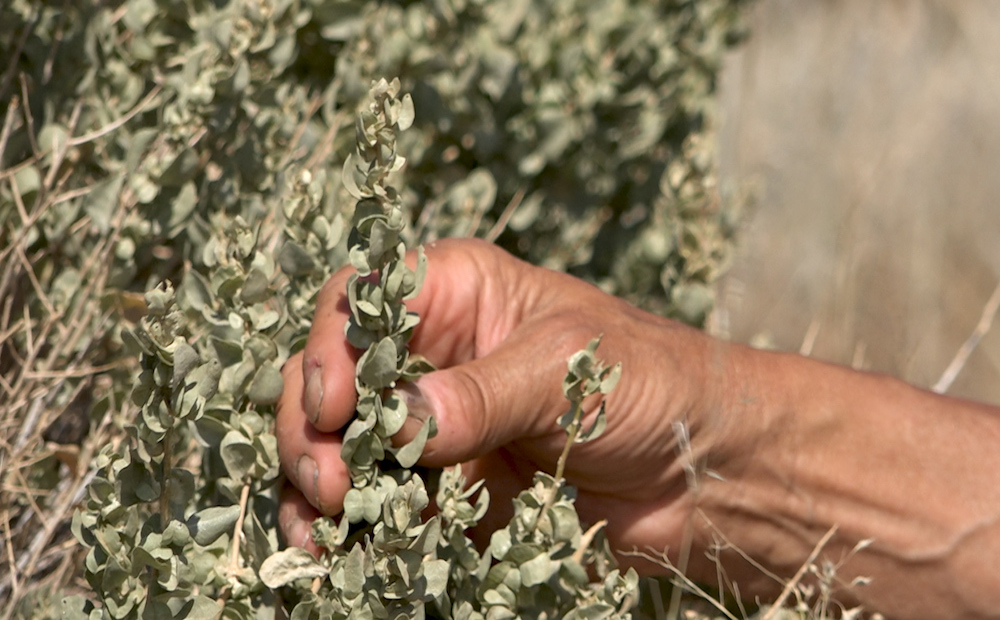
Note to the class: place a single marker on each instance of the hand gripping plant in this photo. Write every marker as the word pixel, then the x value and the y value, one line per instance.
pixel 180 518
pixel 383 560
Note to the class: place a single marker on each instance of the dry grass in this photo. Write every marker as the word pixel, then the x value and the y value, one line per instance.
pixel 55 363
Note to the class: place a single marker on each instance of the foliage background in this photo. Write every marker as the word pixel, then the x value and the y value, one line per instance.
pixel 576 134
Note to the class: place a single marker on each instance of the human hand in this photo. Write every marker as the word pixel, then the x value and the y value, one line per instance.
pixel 501 331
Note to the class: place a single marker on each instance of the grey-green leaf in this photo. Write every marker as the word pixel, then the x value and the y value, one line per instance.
pixel 254 287
pixel 610 380
pixel 350 182
pixel 378 366
pixel 538 570
pixel 206 526
pixel 597 429
pixel 294 260
pixel 204 608
pixel 185 360
pixel 393 415
pixel 353 506
pixel 101 202
pixel 238 454
pixel 408 455
pixel 354 572
pixel 290 564
pixel 75 608
pixel 436 574
pixel 406 114
pixel 265 389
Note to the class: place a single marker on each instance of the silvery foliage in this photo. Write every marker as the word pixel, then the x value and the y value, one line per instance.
pixel 149 141
pixel 176 534
pixel 577 128
pixel 384 560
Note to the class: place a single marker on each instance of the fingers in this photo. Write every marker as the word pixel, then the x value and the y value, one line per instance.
pixel 295 517
pixel 327 372
pixel 310 459
pixel 500 331
pixel 464 313
pixel 513 393
pixel 464 305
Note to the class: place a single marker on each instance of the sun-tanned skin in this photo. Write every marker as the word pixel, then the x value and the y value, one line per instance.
pixel 798 445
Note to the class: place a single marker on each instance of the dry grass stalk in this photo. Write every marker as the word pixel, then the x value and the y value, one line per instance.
pixel 962 356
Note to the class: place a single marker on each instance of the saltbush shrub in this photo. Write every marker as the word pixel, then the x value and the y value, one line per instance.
pixel 173 195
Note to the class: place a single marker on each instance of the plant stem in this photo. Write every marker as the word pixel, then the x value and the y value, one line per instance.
pixel 673 612
pixel 234 554
pixel 166 465
pixel 586 539
pixel 772 612
pixel 572 431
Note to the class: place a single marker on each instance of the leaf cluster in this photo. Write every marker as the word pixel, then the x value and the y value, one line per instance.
pixel 572 133
pixel 180 517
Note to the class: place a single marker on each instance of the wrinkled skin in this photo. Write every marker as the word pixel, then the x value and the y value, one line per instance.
pixel 796 446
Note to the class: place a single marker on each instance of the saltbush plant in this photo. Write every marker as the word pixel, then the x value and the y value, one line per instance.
pixel 156 551
pixel 173 194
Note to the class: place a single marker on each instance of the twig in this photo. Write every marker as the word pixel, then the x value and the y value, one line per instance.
pixel 682 579
pixel 574 428
pixel 59 149
pixel 299 132
pixel 8 123
pixel 656 596
pixel 28 118
pixel 71 194
pixel 56 40
pixel 14 583
pixel 985 322
pixel 743 554
pixel 234 554
pixel 81 372
pixel 687 539
pixel 113 125
pixel 810 338
pixel 12 65
pixel 691 474
pixel 321 152
pixel 30 422
pixel 508 212
pixel 53 313
pixel 22 210
pixel 166 463
pixel 794 581
pixel 587 538
pixel 28 220
pixel 477 217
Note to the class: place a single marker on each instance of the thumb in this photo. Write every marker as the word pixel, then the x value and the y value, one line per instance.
pixel 510 394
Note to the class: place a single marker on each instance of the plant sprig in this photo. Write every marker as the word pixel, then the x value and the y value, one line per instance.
pixel 536 566
pixel 379 324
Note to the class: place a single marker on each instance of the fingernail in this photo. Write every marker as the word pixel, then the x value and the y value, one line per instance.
pixel 308 478
pixel 417 405
pixel 301 534
pixel 314 392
